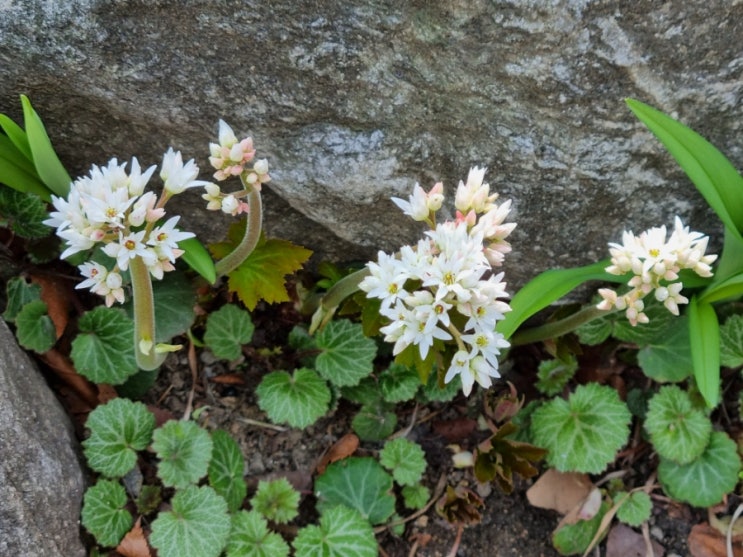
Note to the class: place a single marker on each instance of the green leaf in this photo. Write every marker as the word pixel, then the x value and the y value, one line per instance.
pixel 359 483
pixel 277 500
pixel 299 400
pixel 227 329
pixel 572 539
pixel 655 331
pixel 415 496
pixel 678 431
pixel 705 481
pixel 104 350
pixel 635 508
pixel 546 288
pixel 34 327
pixel 198 525
pixel 14 176
pixel 17 136
pixel 584 432
pixel 20 292
pixel 399 383
pixel 226 470
pixel 405 459
pixel 553 375
pixel 24 213
pixel 596 331
pixel 433 392
pixel 103 513
pixel 731 341
pixel 375 421
pixel 149 499
pixel 711 172
pixel 174 306
pixel 47 164
pixel 250 537
pixel 342 532
pixel 366 392
pixel 118 429
pixel 263 274
pixel 197 257
pixel 730 288
pixel 704 335
pixel 668 357
pixel 346 354
pixel 184 450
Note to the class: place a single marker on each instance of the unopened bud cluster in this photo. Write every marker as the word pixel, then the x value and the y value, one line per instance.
pixel 443 288
pixel 655 263
pixel 231 157
pixel 109 208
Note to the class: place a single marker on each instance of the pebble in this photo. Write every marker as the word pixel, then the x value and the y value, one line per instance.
pixel 657 533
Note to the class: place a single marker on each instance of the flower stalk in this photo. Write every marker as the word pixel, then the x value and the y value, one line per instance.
pixel 143 303
pixel 252 233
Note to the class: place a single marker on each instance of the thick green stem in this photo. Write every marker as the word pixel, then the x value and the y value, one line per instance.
pixel 252 234
pixel 144 317
pixel 334 296
pixel 558 328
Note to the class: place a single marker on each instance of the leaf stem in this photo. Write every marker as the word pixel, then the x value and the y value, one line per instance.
pixel 334 296
pixel 558 328
pixel 143 303
pixel 252 233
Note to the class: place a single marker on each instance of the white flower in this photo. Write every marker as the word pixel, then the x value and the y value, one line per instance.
pixel 230 156
pixel 137 180
pixel 416 207
pixel 230 205
pixel 213 196
pixel 176 176
pixel 386 279
pixel 94 274
pixel 128 247
pixel 165 239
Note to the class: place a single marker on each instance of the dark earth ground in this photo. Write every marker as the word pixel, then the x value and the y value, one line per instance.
pixel 510 526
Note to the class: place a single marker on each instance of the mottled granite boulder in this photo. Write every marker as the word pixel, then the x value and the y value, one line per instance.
pixel 41 478
pixel 354 101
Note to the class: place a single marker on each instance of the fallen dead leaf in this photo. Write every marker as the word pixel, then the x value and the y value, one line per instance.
pixel 454 430
pixel 134 543
pixel 343 448
pixel 228 379
pixel 623 541
pixel 63 368
pixel 559 491
pixel 706 541
pixel 57 299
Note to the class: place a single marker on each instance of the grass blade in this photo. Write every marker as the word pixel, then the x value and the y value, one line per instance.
pixel 704 340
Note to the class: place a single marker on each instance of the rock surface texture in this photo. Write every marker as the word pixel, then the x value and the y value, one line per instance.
pixel 40 476
pixel 354 101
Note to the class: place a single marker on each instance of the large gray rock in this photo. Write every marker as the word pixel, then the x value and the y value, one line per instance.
pixel 353 101
pixel 41 478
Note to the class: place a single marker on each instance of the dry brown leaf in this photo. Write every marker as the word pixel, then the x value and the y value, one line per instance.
pixel 706 541
pixel 559 491
pixel 454 430
pixel 63 368
pixel 134 543
pixel 623 541
pixel 343 448
pixel 57 298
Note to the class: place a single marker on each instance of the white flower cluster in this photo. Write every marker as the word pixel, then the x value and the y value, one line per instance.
pixel 110 208
pixel 443 288
pixel 655 264
pixel 230 157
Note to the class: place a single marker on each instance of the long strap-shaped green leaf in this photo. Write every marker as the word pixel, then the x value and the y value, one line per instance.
pixel 547 288
pixel 48 165
pixel 16 134
pixel 711 172
pixel 196 256
pixel 704 340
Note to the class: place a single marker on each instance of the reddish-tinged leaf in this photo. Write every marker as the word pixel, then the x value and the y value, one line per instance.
pixel 706 541
pixel 343 448
pixel 134 543
pixel 460 506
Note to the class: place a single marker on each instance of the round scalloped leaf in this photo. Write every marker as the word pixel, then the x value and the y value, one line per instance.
pixel 298 400
pixel 660 321
pixel 103 351
pixel 360 483
pixel 667 358
pixel 346 353
pixel 374 421
pixel 583 433
pixel 118 429
pixel 34 327
pixel 103 513
pixel 705 481
pixel 250 537
pixel 184 450
pixel 405 459
pixel 731 342
pixel 415 496
pixel 399 383
pixel 19 293
pixel 678 431
pixel 635 508
pixel 277 500
pixel 198 524
pixel 227 329
pixel 553 375
pixel 226 469
pixel 342 532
